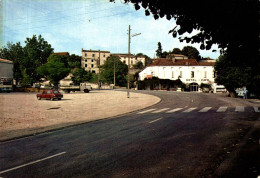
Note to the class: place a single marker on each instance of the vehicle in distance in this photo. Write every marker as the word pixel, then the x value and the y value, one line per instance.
pixel 71 87
pixel 50 94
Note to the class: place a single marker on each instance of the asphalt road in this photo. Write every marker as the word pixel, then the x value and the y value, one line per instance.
pixel 185 135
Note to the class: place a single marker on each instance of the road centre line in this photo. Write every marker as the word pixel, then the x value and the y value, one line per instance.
pixel 33 162
pixel 149 110
pixel 156 120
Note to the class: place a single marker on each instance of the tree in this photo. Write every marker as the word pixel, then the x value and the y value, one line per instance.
pixel 80 75
pixel 138 65
pixel 191 52
pixel 233 76
pixel 15 53
pixel 217 22
pixel 74 61
pixel 36 53
pixel 54 70
pixel 176 51
pixel 159 50
pixel 121 71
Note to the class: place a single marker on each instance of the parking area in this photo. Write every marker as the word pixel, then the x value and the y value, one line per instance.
pixel 22 114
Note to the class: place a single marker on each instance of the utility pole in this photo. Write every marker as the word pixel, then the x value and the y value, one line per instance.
pixel 99 70
pixel 114 73
pixel 128 77
pixel 128 74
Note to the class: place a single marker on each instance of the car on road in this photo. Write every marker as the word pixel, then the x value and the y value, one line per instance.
pixel 50 94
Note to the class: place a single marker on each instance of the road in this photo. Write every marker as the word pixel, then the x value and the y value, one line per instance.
pixel 185 135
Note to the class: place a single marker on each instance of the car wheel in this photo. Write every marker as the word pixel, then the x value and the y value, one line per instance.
pixel 39 98
pixel 59 98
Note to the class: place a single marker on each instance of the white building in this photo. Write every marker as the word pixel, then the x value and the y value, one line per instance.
pixel 189 71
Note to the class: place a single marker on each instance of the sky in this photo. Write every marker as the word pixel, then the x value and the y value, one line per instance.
pixel 70 25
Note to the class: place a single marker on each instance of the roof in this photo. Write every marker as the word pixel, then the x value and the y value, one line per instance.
pixel 6 61
pixel 186 62
pixel 162 62
pixel 182 62
pixel 121 54
pixel 62 53
pixel 83 50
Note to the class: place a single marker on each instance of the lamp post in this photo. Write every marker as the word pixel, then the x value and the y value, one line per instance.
pixel 128 75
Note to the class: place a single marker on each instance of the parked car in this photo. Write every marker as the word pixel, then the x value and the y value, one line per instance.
pixel 50 94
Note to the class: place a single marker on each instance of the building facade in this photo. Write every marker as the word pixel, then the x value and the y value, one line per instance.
pixel 133 59
pixel 189 71
pixel 90 59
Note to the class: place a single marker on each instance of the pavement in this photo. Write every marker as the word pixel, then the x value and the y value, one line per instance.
pixel 23 115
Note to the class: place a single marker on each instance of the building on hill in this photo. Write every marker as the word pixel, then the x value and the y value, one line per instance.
pixel 191 72
pixel 133 59
pixel 176 56
pixel 62 53
pixel 90 59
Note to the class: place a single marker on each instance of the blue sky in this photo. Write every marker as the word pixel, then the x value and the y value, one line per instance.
pixel 70 25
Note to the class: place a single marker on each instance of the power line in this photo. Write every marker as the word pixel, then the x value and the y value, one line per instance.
pixel 90 19
pixel 59 11
pixel 53 19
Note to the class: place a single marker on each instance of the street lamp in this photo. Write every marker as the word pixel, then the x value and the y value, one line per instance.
pixel 129 39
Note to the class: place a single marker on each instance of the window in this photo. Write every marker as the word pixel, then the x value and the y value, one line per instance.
pixel 180 74
pixel 192 74
pixel 86 60
pixel 93 55
pixel 86 65
pixel 205 74
pixel 124 62
pixel 92 65
pixel 86 54
pixel 92 60
pixel 93 71
pixel 104 55
pixel 48 92
pixel 131 62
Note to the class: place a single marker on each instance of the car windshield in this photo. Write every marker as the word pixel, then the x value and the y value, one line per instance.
pixel 55 91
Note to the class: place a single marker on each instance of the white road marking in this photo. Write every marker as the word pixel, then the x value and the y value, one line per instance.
pixel 256 109
pixel 149 110
pixel 206 109
pixel 155 120
pixel 174 110
pixel 33 162
pixel 222 109
pixel 240 109
pixel 161 110
pixel 189 110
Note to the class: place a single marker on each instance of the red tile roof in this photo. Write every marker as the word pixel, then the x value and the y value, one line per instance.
pixel 182 62
pixel 162 62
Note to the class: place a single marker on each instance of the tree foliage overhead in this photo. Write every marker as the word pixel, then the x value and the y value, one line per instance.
pixel 233 25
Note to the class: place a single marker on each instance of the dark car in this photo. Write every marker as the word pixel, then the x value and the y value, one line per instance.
pixel 50 94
